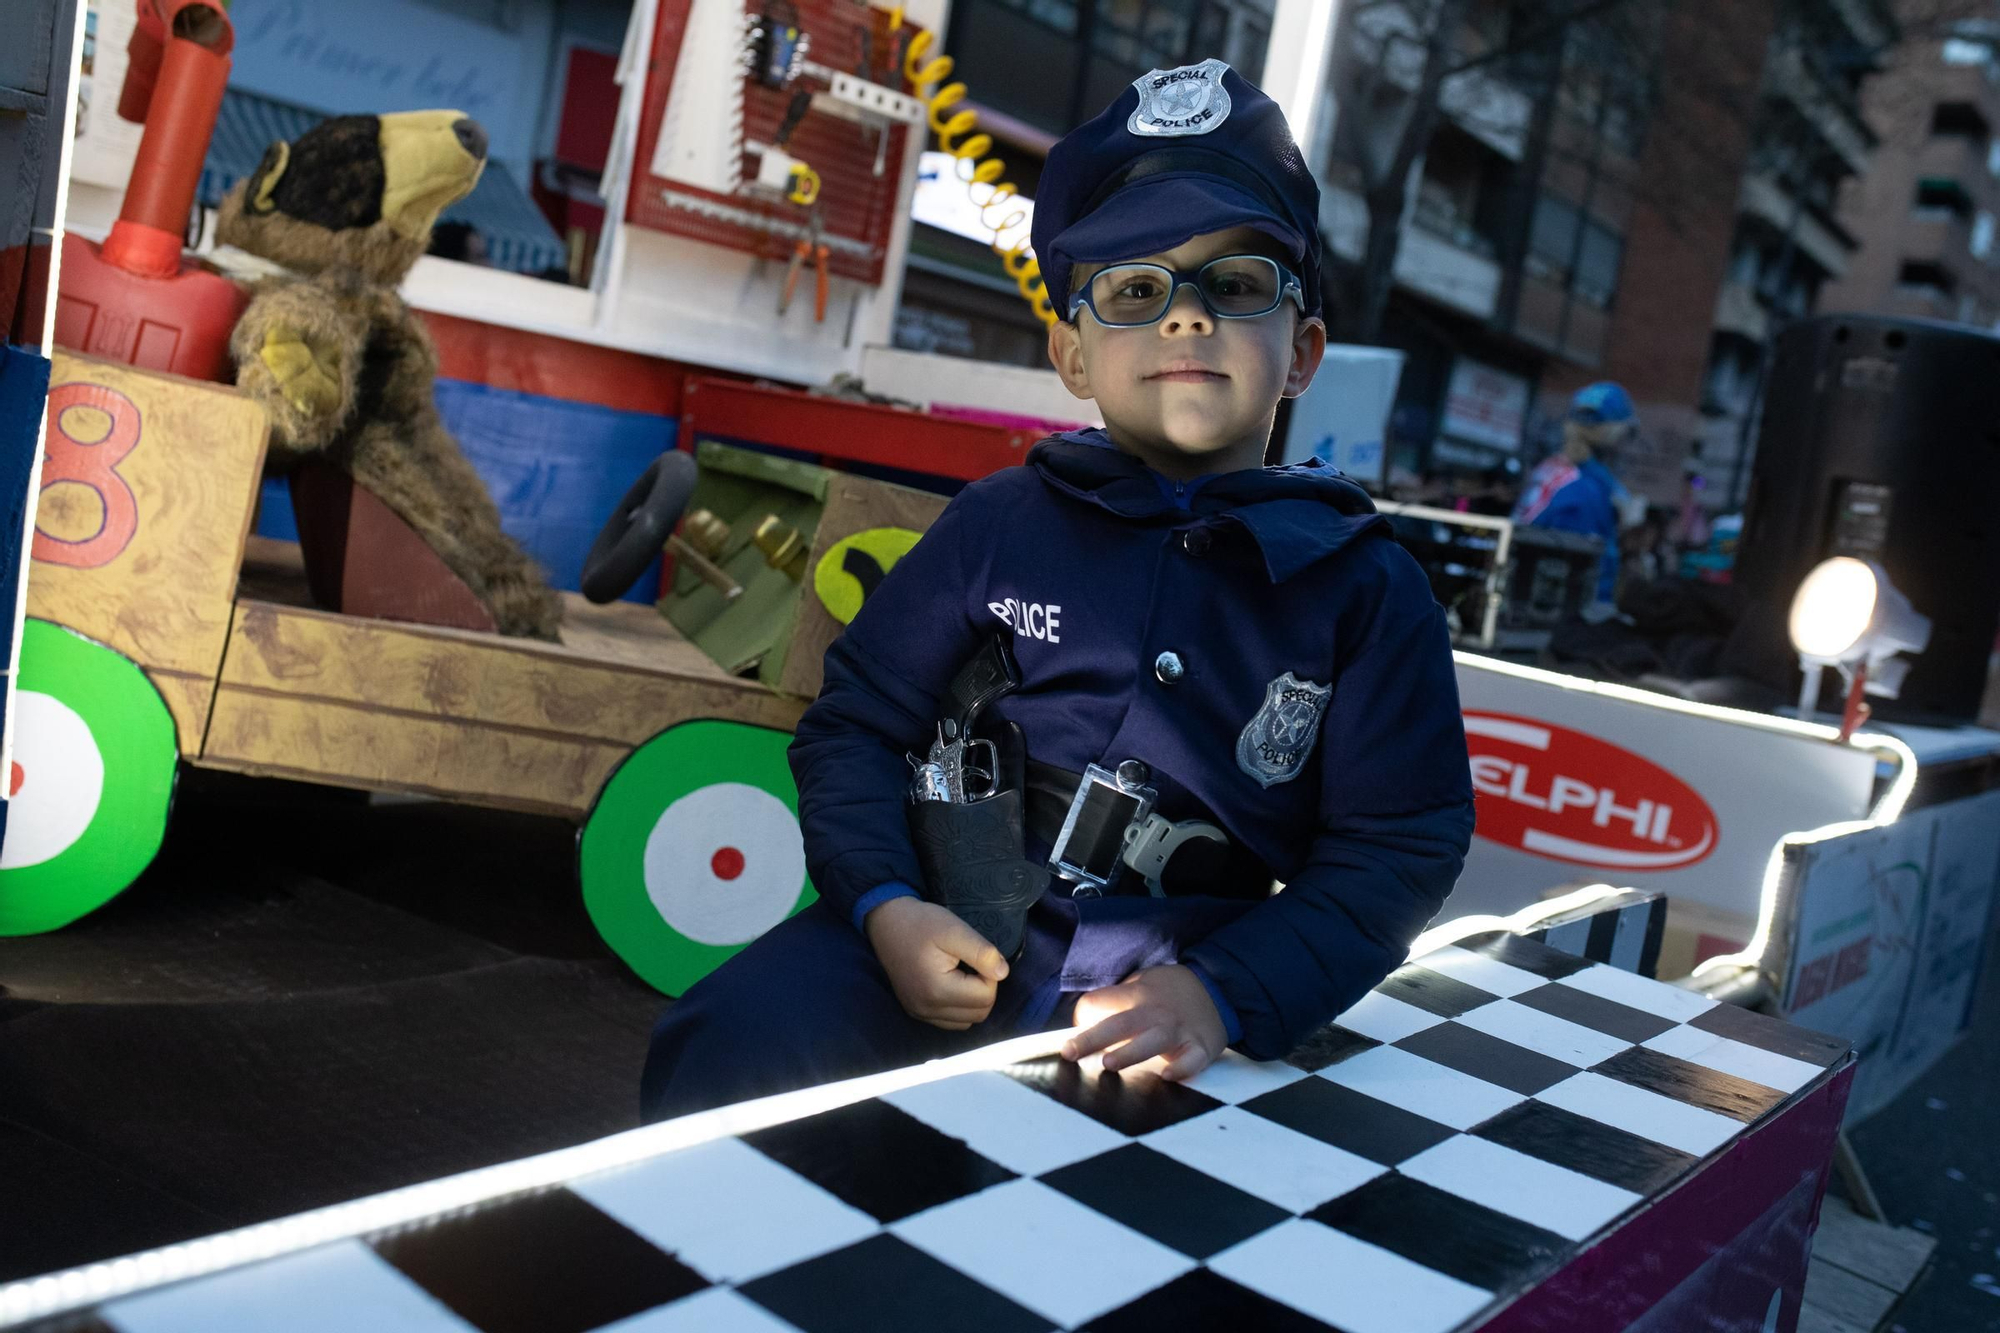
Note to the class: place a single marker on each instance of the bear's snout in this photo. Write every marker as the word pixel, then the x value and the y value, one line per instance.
pixel 472 135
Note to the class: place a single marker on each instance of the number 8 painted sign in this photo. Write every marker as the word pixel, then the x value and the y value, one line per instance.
pixel 93 464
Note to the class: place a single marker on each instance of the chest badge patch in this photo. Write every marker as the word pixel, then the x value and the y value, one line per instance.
pixel 1188 100
pixel 1273 748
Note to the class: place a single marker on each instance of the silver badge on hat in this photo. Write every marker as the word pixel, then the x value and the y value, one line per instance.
pixel 1188 100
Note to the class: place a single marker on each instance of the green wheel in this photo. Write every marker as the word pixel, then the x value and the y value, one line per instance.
pixel 693 850
pixel 92 778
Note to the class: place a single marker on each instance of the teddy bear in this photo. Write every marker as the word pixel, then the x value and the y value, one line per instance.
pixel 341 364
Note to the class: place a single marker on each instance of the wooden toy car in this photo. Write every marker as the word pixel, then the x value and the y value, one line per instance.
pixel 160 633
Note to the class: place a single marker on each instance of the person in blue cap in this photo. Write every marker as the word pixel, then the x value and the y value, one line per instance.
pixel 1573 490
pixel 1183 675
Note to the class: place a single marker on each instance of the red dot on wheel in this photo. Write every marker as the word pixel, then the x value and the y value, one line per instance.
pixel 727 863
pixel 14 782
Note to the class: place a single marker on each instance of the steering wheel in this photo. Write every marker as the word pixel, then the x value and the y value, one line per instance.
pixel 639 527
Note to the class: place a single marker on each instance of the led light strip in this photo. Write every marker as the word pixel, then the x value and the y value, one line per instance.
pixel 1652 699
pixel 1519 923
pixel 94 1284
pixel 1886 811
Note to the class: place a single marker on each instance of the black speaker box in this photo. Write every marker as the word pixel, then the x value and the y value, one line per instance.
pixel 1880 439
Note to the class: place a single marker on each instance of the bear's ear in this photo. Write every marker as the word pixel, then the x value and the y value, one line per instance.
pixel 257 198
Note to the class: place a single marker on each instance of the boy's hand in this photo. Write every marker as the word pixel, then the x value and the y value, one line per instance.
pixel 921 946
pixel 1161 1013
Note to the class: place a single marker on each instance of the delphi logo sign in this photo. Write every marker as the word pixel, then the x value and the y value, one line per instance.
pixel 1570 797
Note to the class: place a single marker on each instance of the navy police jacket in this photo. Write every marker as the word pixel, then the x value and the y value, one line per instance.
pixel 1316 718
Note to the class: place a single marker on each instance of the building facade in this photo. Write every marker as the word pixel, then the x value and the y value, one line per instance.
pixel 1925 214
pixel 1808 141
pixel 1642 198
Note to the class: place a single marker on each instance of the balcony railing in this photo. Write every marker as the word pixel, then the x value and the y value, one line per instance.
pixel 1829 108
pixel 1762 197
pixel 1483 102
pixel 1869 21
pixel 1737 310
pixel 1429 264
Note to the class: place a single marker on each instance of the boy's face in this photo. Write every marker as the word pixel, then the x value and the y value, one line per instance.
pixel 1192 393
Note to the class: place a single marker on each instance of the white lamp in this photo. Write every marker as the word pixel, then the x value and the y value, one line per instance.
pixel 1847 615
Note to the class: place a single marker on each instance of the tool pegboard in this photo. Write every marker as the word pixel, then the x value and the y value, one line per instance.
pixel 698 86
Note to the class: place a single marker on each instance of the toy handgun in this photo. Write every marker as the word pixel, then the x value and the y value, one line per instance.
pixel 947 774
pixel 966 808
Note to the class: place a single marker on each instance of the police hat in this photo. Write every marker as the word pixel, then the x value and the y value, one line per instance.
pixel 1182 152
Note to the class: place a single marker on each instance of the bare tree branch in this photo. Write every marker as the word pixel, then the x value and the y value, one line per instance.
pixel 1549 30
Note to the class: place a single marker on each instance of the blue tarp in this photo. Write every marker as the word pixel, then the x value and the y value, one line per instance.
pixel 557 469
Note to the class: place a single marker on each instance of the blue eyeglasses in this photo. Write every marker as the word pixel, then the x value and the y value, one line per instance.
pixel 1131 296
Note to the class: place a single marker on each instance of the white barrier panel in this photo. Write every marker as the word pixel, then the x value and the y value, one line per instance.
pixel 1890 926
pixel 1343 416
pixel 1579 782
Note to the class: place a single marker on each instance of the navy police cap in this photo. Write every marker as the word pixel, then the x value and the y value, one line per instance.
pixel 1180 153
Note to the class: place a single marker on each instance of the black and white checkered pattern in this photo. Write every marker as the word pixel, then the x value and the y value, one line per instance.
pixel 1459 1135
pixel 1624 928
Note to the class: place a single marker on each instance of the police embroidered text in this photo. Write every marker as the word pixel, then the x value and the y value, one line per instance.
pixel 1030 618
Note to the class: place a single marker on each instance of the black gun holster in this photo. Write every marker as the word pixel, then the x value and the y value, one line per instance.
pixel 973 853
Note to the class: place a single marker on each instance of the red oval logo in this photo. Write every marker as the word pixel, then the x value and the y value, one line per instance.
pixel 1553 792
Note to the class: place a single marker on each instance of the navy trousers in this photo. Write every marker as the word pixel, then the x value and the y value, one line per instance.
pixel 807 1002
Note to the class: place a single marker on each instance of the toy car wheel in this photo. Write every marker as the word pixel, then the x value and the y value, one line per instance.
pixel 693 850
pixel 91 780
pixel 639 527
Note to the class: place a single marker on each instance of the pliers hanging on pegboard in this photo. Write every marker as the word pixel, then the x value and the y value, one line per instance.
pixel 812 246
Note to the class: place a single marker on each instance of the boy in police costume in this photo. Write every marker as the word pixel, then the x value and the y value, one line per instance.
pixel 1223 674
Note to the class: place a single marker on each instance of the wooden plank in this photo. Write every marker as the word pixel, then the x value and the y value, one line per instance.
pixel 348 745
pixel 630 633
pixel 634 634
pixel 471 717
pixel 853 504
pixel 1848 1296
pixel 188 698
pixel 425 671
pixel 1891 1257
pixel 148 488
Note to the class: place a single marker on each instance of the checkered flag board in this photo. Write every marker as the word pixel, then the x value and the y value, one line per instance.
pixel 1624 928
pixel 1458 1136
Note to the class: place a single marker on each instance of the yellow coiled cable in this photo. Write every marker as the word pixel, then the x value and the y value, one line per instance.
pixel 956 136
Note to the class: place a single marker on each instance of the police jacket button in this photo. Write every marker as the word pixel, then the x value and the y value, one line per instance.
pixel 1196 541
pixel 1169 668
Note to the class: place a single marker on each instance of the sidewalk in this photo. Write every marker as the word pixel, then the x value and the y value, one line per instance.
pixel 1934 1158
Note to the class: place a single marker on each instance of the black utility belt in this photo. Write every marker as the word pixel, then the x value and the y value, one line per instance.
pixel 1100 826
pixel 976 797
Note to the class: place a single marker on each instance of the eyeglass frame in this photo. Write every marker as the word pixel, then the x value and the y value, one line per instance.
pixel 1290 285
